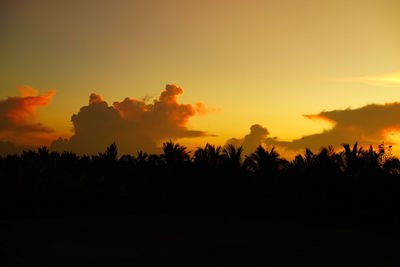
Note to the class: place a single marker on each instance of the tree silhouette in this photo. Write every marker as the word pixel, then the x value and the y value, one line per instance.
pixel 208 157
pixel 174 155
pixel 233 156
pixel 110 154
pixel 351 182
pixel 264 161
pixel 352 160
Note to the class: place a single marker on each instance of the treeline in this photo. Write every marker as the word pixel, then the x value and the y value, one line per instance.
pixel 355 182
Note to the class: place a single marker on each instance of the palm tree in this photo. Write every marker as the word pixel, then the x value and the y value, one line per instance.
pixel 141 157
pixel 305 162
pixel 43 153
pixel 374 158
pixel 207 157
pixel 264 161
pixel 328 162
pixel 155 161
pixel 127 158
pixel 110 154
pixel 29 155
pixel 174 155
pixel 233 156
pixel 352 159
pixel 68 156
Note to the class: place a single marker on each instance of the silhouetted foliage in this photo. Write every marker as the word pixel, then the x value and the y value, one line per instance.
pixel 233 156
pixel 175 155
pixel 354 182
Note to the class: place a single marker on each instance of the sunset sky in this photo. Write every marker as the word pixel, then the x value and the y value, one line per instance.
pixel 296 68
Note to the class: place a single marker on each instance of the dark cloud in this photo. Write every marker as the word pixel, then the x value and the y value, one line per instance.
pixel 132 124
pixel 9 148
pixel 251 141
pixel 370 124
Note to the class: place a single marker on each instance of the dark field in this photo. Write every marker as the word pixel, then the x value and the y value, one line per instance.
pixel 195 241
pixel 325 209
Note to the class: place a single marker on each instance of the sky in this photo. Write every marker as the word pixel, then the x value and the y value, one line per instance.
pixel 303 73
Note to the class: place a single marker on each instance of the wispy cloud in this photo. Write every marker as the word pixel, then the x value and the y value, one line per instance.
pixel 385 80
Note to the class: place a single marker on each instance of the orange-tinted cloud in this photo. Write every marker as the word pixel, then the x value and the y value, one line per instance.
pixel 17 117
pixel 17 113
pixel 251 141
pixel 17 121
pixel 202 109
pixel 318 117
pixel 370 124
pixel 132 124
pixel 166 110
pixel 94 98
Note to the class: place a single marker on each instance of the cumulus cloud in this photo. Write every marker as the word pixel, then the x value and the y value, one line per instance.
pixel 17 117
pixel 132 124
pixel 251 141
pixel 369 125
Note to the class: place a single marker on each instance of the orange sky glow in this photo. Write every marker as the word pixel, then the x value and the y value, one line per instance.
pixel 291 74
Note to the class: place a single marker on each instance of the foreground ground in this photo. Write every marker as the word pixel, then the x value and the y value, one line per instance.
pixel 194 241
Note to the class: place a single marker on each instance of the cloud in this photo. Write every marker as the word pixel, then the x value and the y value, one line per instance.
pixel 93 98
pixel 369 125
pixel 202 109
pixel 17 113
pixel 132 124
pixel 17 117
pixel 385 80
pixel 251 141
pixel 9 148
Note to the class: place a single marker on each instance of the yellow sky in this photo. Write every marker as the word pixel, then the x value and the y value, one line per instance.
pixel 265 62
